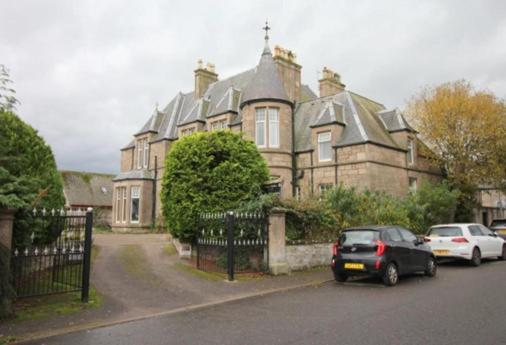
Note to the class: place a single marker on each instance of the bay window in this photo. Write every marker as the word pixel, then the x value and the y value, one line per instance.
pixel 142 153
pixel 267 127
pixel 260 129
pixel 273 127
pixel 135 194
pixel 411 152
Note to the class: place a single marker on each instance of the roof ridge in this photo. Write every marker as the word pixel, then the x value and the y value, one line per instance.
pixel 64 171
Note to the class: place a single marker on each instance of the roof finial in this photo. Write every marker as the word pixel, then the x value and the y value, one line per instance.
pixel 266 28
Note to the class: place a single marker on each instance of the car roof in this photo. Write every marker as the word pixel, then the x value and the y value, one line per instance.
pixel 453 224
pixel 370 227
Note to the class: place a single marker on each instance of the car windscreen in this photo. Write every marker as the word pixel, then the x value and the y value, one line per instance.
pixel 446 231
pixel 353 237
pixel 498 222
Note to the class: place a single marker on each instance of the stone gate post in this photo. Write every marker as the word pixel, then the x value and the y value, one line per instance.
pixel 277 243
pixel 6 225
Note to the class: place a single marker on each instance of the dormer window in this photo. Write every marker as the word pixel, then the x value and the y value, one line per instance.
pixel 411 152
pixel 324 147
pixel 142 153
pixel 267 127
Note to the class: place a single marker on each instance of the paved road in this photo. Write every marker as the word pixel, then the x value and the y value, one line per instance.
pixel 463 305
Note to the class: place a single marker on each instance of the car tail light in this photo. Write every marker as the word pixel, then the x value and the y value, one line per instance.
pixel 381 248
pixel 426 239
pixel 460 240
pixel 335 248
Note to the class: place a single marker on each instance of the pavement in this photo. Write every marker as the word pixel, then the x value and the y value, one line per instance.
pixel 462 305
pixel 138 278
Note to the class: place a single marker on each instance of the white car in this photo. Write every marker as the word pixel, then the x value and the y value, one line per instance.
pixel 465 241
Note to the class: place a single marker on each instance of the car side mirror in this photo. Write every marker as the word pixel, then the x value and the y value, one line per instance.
pixel 419 241
pixel 494 234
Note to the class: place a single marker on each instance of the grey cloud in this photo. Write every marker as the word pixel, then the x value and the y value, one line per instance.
pixel 88 73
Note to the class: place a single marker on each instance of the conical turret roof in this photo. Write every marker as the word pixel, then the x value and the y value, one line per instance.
pixel 266 84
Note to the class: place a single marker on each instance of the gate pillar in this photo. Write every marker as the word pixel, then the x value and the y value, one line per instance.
pixel 277 243
pixel 6 223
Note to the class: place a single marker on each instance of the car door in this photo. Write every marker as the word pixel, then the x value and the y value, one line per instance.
pixel 481 239
pixel 418 256
pixel 399 250
pixel 494 242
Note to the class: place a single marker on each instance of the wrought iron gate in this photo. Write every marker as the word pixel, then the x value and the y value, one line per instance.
pixel 57 257
pixel 233 242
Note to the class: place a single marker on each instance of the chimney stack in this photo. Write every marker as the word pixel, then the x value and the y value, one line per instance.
pixel 289 72
pixel 330 84
pixel 204 76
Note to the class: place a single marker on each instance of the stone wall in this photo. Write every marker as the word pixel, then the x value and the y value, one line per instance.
pixel 301 257
pixel 127 158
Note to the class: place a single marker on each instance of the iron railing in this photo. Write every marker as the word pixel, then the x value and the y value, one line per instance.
pixel 57 257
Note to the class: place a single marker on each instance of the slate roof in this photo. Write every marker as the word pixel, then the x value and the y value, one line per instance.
pixel 87 189
pixel 357 114
pixel 393 120
pixel 363 120
pixel 266 83
pixel 135 175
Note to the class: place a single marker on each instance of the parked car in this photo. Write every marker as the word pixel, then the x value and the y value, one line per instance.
pixel 465 241
pixel 499 227
pixel 384 251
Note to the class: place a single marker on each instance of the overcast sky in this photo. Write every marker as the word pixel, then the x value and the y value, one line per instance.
pixel 88 73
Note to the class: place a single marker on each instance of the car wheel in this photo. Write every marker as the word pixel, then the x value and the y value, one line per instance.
pixel 503 256
pixel 431 267
pixel 476 258
pixel 340 277
pixel 391 275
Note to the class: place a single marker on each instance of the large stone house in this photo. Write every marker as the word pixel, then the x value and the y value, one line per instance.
pixel 310 142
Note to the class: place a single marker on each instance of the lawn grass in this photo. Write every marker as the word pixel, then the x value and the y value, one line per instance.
pixel 216 276
pixel 36 308
pixel 169 249
pixel 6 339
pixel 99 229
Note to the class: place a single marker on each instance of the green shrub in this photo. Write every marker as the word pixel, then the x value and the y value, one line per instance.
pixel 28 175
pixel 209 172
pixel 431 204
pixel 309 219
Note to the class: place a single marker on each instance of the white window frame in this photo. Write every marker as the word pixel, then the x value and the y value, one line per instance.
pixel 139 154
pixel 223 124
pixel 119 191
pixel 273 114
pixel 124 205
pixel 262 123
pixel 146 153
pixel 136 197
pixel 413 184
pixel 325 187
pixel 411 152
pixel 322 139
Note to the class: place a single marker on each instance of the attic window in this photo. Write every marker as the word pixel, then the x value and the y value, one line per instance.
pixel 411 152
pixel 324 147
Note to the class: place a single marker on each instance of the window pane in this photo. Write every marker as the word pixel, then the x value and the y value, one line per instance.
pixel 410 152
pixel 134 213
pixel 273 127
pixel 324 146
pixel 146 153
pixel 260 127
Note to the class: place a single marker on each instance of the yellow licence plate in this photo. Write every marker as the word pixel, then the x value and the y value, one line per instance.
pixel 441 252
pixel 502 232
pixel 353 266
